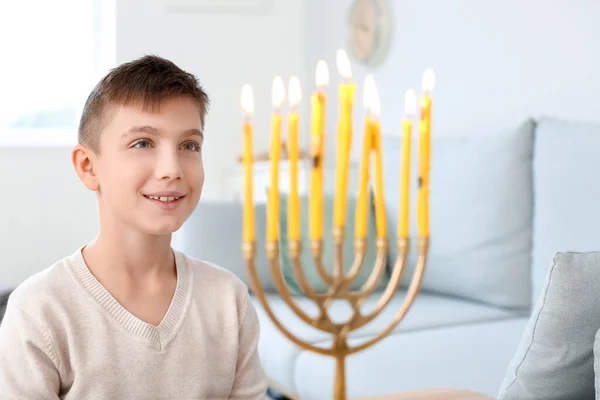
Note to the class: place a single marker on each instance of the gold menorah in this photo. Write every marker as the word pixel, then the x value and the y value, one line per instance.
pixel 340 281
pixel 339 288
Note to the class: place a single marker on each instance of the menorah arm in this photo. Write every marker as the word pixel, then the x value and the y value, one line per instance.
pixel 249 253
pixel 295 250
pixel 359 320
pixel 316 247
pixel 375 276
pixel 360 250
pixel 413 290
pixel 323 324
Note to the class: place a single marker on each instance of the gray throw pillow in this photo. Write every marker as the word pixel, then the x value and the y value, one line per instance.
pixel 555 359
pixel 4 293
pixel 481 207
pixel 597 364
pixel 566 200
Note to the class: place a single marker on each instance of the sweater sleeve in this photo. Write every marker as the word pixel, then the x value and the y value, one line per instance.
pixel 250 380
pixel 28 365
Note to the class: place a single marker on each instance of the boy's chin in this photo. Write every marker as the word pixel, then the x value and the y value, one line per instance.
pixel 162 229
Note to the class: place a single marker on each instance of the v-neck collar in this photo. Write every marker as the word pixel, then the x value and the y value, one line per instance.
pixel 159 335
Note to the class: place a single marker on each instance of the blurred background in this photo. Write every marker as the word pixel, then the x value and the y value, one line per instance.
pixel 497 64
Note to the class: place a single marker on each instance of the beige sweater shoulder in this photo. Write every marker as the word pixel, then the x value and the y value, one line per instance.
pixel 65 337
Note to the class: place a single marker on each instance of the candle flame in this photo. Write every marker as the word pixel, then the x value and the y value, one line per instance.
pixel 410 102
pixel 343 64
pixel 368 92
pixel 247 100
pixel 428 80
pixel 278 93
pixel 294 91
pixel 322 74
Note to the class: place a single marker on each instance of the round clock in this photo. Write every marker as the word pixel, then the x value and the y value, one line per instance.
pixel 370 28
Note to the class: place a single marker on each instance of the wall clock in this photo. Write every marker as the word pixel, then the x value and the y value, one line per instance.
pixel 370 29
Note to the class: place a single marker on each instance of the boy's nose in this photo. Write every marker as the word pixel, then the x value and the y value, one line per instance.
pixel 167 166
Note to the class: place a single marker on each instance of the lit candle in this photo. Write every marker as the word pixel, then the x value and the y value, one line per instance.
pixel 379 198
pixel 362 204
pixel 424 154
pixel 410 105
pixel 247 100
pixel 346 94
pixel 317 152
pixel 278 95
pixel 294 96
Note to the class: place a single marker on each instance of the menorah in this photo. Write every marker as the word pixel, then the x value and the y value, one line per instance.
pixel 339 281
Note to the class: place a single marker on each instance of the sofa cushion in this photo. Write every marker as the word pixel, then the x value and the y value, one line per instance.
pixel 480 214
pixel 567 192
pixel 471 356
pixel 278 355
pixel 555 357
pixel 306 258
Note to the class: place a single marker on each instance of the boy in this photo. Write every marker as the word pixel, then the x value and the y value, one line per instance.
pixel 125 316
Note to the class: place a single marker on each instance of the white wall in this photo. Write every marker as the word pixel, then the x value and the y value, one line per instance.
pixel 46 212
pixel 496 62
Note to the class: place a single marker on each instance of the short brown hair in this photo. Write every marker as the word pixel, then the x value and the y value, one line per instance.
pixel 147 80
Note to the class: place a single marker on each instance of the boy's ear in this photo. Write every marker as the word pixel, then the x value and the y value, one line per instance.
pixel 83 158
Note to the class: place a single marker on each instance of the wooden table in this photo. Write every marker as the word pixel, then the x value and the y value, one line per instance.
pixel 437 394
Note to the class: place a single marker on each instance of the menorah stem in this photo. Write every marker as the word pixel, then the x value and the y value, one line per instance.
pixel 340 351
pixel 340 377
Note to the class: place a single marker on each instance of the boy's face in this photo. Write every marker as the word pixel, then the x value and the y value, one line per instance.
pixel 150 171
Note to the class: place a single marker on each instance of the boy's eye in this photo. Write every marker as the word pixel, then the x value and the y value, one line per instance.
pixel 146 144
pixel 141 144
pixel 192 146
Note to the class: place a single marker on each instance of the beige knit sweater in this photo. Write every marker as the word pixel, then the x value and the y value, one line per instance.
pixel 65 337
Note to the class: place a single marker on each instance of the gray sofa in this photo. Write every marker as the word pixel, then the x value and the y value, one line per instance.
pixel 502 204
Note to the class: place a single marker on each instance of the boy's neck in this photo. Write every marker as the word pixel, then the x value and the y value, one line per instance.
pixel 131 255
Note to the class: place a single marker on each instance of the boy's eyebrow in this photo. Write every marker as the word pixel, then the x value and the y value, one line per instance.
pixel 141 129
pixel 154 131
pixel 193 131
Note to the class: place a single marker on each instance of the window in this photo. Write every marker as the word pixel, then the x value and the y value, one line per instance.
pixel 53 53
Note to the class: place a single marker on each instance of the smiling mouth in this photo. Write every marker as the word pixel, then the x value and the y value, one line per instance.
pixel 165 199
